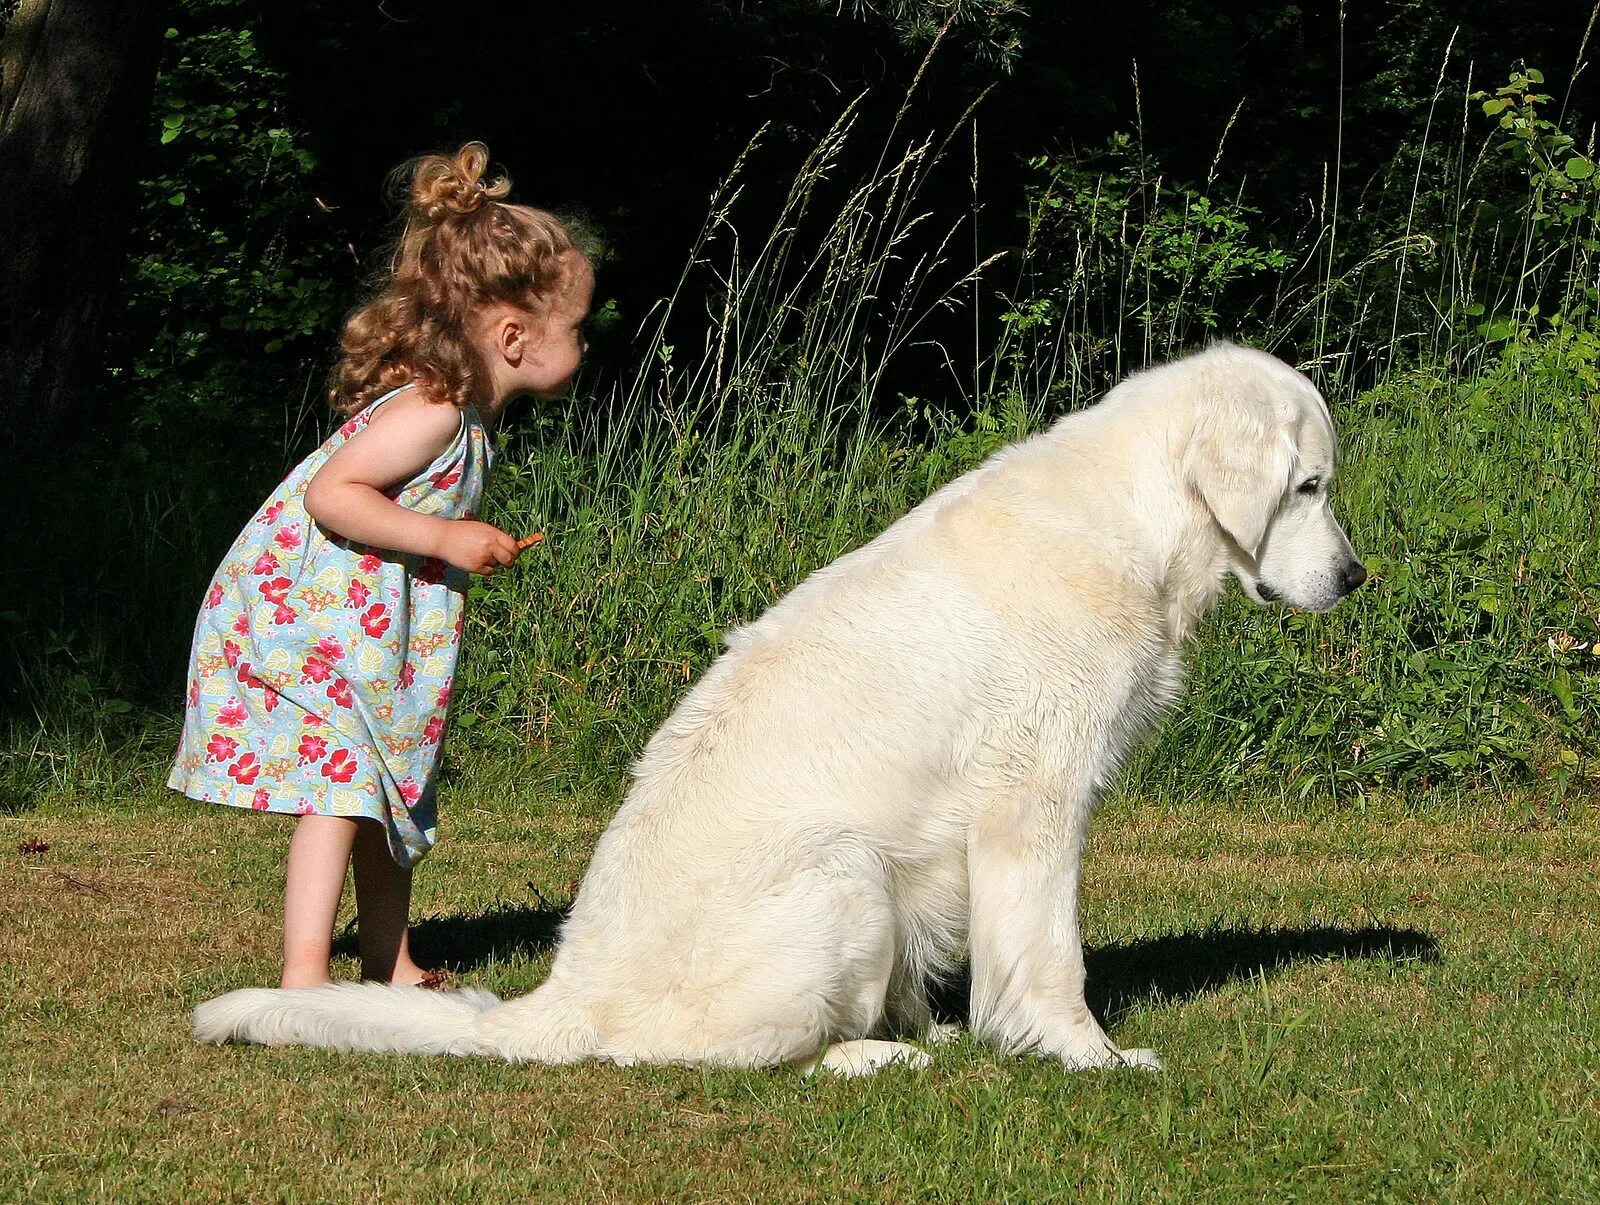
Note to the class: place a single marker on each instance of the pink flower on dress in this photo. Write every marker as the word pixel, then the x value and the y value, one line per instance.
pixel 194 694
pixel 275 590
pixel 312 721
pixel 408 675
pixel 231 653
pixel 350 428
pixel 357 594
pixel 445 478
pixel 241 623
pixel 303 808
pixel 329 648
pixel 410 791
pixel 434 730
pixel 220 747
pixel 265 563
pixel 283 614
pixel 288 538
pixel 312 748
pixel 370 563
pixel 375 622
pixel 232 714
pixel 442 699
pixel 213 595
pixel 269 696
pixel 339 692
pixel 261 800
pixel 315 670
pixel 340 766
pixel 270 515
pixel 244 770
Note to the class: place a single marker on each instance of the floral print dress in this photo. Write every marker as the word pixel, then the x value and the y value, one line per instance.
pixel 320 673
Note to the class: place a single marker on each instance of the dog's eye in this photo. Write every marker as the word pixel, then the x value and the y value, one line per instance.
pixel 1309 486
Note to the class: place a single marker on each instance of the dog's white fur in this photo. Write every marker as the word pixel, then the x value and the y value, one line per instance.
pixel 900 759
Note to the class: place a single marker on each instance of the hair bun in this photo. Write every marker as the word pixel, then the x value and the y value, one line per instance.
pixel 445 186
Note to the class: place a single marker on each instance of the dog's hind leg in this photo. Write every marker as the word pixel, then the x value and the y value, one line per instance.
pixel 907 1013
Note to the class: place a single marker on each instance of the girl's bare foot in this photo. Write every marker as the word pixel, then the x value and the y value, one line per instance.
pixel 409 974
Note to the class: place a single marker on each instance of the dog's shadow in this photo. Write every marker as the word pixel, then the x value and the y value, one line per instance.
pixel 1180 966
pixel 1122 975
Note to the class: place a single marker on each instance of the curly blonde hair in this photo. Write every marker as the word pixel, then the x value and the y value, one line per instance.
pixel 463 246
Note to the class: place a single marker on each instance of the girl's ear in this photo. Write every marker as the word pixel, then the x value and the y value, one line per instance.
pixel 511 339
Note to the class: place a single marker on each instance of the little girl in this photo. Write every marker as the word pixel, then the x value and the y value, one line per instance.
pixel 322 661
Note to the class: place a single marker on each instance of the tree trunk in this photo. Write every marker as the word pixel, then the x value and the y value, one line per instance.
pixel 78 80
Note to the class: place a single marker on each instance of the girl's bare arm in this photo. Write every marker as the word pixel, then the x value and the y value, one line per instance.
pixel 346 497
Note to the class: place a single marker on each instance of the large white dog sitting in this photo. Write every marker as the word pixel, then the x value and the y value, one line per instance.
pixel 899 760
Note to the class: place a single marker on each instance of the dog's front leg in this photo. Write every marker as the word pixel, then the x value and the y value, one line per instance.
pixel 1023 864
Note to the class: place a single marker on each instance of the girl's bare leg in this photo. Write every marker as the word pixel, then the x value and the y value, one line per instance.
pixel 383 910
pixel 319 852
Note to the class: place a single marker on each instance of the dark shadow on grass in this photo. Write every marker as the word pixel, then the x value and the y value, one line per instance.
pixel 1181 966
pixel 461 943
pixel 1122 975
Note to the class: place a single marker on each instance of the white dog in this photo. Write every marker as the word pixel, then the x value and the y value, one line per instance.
pixel 900 759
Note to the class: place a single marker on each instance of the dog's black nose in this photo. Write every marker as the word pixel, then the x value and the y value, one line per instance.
pixel 1352 575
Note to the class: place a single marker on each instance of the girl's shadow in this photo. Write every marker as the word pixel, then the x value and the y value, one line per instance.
pixel 463 942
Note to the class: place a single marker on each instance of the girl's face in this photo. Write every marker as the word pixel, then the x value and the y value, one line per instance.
pixel 556 343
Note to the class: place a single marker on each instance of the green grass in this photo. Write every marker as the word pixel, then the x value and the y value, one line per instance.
pixel 1351 1006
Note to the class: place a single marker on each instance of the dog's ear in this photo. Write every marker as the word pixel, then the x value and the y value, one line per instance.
pixel 1238 461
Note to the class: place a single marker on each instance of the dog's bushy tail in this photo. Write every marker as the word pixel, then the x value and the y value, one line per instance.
pixel 350 1016
pixel 544 1027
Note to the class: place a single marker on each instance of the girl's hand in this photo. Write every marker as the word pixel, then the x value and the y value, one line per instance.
pixel 476 547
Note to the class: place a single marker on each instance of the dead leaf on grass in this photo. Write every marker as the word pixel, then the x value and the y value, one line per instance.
pixel 174 1106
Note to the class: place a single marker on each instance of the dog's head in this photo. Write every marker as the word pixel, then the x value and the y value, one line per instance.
pixel 1261 459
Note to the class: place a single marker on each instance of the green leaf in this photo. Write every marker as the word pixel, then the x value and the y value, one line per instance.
pixel 1578 168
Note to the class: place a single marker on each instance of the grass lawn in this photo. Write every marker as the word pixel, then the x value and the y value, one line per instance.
pixel 1356 1005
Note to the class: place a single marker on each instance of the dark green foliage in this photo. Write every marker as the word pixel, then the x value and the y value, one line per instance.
pixel 238 280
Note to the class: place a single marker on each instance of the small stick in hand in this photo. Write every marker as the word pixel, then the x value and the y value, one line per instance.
pixel 528 542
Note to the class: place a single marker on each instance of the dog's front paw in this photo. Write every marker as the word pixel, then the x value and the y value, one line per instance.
pixel 1144 1060
pixel 1104 1056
